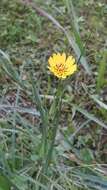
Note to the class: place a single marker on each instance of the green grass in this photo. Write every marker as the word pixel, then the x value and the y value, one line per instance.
pixel 49 142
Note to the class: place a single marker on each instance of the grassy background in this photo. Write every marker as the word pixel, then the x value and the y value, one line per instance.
pixel 29 36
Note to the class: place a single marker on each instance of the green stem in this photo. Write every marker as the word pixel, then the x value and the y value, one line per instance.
pixel 58 99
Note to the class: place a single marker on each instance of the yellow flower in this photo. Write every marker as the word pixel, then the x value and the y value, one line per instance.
pixel 62 66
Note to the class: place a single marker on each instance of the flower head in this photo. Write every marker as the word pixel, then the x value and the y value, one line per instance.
pixel 62 66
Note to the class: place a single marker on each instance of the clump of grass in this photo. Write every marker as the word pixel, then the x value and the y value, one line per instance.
pixel 29 157
pixel 37 150
pixel 14 27
pixel 42 145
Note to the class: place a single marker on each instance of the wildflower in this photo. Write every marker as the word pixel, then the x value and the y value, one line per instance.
pixel 62 66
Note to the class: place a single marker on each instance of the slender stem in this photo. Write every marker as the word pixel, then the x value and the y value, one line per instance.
pixel 58 99
pixel 55 122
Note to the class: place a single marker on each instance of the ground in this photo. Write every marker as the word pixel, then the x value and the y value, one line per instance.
pixel 30 35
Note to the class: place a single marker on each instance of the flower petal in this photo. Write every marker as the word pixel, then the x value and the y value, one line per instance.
pixel 50 60
pixel 63 57
pixel 70 60
pixel 72 69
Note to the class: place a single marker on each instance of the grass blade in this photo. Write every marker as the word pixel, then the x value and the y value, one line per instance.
pixel 99 102
pixel 102 71
pixel 90 116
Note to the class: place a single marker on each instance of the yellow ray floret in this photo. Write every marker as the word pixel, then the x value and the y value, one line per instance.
pixel 62 66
